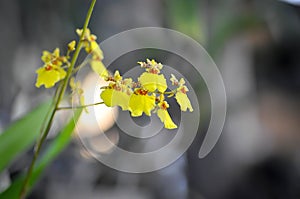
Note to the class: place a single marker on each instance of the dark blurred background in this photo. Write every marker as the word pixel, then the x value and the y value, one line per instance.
pixel 255 44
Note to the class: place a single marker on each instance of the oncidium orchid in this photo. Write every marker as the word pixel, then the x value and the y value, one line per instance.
pixel 180 94
pixel 51 72
pixel 92 47
pixel 147 95
pixel 55 65
pixel 118 92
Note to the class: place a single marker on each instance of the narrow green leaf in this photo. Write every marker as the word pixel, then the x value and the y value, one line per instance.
pixel 58 144
pixel 19 136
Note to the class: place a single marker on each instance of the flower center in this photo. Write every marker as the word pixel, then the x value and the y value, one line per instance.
pixel 183 90
pixel 164 106
pixel 153 71
pixel 142 92
pixel 48 67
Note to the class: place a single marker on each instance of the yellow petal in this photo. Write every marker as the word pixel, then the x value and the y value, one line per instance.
pixel 99 68
pixel 46 57
pixel 48 78
pixel 151 82
pixel 166 119
pixel 96 50
pixel 82 102
pixel 106 96
pixel 72 83
pixel 139 104
pixel 71 45
pixel 117 76
pixel 79 32
pixel 87 33
pixel 113 97
pixel 56 52
pixel 183 101
pixel 174 80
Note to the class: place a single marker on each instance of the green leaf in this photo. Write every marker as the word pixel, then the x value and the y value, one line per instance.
pixel 19 136
pixel 58 144
pixel 184 16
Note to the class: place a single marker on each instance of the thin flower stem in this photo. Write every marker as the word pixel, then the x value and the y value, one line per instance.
pixel 85 62
pixel 55 96
pixel 78 47
pixel 76 107
pixel 167 92
pixel 58 97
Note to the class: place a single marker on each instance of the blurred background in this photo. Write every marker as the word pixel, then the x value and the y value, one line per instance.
pixel 255 44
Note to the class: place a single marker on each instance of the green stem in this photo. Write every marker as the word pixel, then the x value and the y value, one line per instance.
pixel 76 107
pixel 49 112
pixel 54 107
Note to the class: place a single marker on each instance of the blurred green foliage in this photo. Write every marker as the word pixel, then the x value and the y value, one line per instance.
pixel 58 144
pixel 20 136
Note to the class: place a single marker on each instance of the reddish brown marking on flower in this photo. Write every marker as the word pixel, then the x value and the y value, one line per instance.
pixel 153 71
pixel 164 106
pixel 111 79
pixel 55 62
pixel 113 86
pixel 93 38
pixel 48 67
pixel 61 59
pixel 183 90
pixel 117 88
pixel 142 92
pixel 97 58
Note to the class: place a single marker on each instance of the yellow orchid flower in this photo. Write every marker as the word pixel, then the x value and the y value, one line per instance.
pixel 53 58
pixel 117 76
pixel 151 66
pixel 183 100
pixel 87 35
pixel 49 75
pixel 92 47
pixel 141 97
pixel 71 46
pixel 52 71
pixel 118 92
pixel 140 102
pixel 48 56
pixel 181 96
pixel 90 44
pixel 164 116
pixel 95 49
pixel 112 97
pixel 151 82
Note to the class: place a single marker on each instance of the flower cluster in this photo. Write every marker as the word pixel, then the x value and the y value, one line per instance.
pixel 55 65
pixel 92 47
pixel 147 95
pixel 52 71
